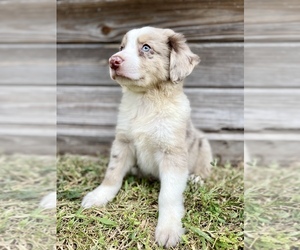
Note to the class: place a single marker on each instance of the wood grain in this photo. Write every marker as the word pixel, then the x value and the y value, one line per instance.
pixel 28 21
pixel 228 149
pixel 265 150
pixel 212 109
pixel 28 64
pixel 272 21
pixel 15 144
pixel 108 21
pixel 27 105
pixel 221 65
pixel 272 65
pixel 276 109
pixel 281 148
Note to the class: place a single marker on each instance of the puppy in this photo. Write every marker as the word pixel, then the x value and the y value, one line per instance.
pixel 154 129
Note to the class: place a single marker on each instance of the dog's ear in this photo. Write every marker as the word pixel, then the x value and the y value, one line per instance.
pixel 182 59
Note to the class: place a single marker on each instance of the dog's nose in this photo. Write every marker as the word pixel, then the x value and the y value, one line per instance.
pixel 115 62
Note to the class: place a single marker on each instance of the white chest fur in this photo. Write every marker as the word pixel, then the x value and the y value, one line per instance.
pixel 154 124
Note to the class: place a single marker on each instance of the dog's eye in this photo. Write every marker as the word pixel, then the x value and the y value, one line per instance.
pixel 121 48
pixel 146 48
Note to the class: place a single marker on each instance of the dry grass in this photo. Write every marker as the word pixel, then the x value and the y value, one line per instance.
pixel 272 210
pixel 214 217
pixel 23 182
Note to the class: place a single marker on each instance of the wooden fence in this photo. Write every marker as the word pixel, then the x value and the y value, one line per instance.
pixel 89 32
pixel 84 102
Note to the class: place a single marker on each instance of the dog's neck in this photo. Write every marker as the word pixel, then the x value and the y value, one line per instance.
pixel 165 88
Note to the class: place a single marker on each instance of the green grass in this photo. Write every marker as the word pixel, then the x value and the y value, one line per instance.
pixel 214 216
pixel 272 210
pixel 23 182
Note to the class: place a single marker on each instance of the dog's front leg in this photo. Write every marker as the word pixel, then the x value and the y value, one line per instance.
pixel 121 160
pixel 173 177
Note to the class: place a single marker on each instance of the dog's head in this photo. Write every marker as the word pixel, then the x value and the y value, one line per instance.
pixel 150 56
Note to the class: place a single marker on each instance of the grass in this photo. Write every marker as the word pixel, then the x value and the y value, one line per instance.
pixel 23 182
pixel 214 216
pixel 272 210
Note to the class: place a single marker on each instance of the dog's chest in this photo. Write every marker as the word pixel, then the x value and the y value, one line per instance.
pixel 151 126
pixel 145 121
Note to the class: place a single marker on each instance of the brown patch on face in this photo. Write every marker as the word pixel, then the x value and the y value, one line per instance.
pixel 176 41
pixel 146 38
pixel 148 54
pixel 182 60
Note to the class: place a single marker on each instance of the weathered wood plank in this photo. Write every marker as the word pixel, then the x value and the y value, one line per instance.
pixel 272 109
pixel 27 105
pixel 28 21
pixel 272 20
pixel 265 149
pixel 274 147
pixel 41 145
pixel 107 21
pixel 92 142
pixel 28 64
pixel 272 65
pixel 212 109
pixel 221 65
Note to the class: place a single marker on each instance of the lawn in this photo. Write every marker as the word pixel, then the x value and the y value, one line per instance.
pixel 24 180
pixel 272 208
pixel 214 216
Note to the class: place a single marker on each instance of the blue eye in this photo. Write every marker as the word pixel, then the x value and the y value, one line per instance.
pixel 146 48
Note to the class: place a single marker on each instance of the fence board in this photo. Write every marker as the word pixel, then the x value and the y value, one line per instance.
pixel 272 109
pixel 272 20
pixel 92 142
pixel 28 64
pixel 221 65
pixel 27 105
pixel 272 65
pixel 107 21
pixel 212 109
pixel 30 21
pixel 41 145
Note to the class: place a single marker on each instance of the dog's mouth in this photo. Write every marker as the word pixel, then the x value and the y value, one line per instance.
pixel 116 75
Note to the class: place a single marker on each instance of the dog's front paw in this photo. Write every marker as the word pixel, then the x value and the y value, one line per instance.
pixel 168 236
pixel 48 201
pixel 93 199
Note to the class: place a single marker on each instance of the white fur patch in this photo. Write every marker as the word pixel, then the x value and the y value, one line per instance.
pixel 171 210
pixel 100 196
pixel 48 201
pixel 130 68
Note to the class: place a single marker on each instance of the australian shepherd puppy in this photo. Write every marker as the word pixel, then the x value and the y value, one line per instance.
pixel 154 131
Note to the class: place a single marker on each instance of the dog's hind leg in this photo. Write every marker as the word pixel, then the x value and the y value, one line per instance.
pixel 204 159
